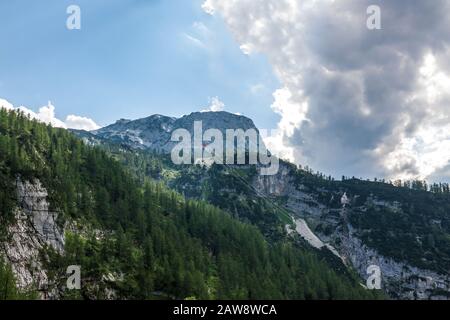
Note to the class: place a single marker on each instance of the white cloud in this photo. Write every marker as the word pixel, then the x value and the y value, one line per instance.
pixel 291 118
pixel 208 7
pixel 276 144
pixel 353 101
pixel 292 113
pixel 6 105
pixel 215 105
pixel 428 149
pixel 247 48
pixel 81 123
pixel 47 115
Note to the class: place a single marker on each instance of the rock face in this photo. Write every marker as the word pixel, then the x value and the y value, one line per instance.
pixel 154 132
pixel 35 228
pixel 302 228
pixel 149 133
pixel 399 279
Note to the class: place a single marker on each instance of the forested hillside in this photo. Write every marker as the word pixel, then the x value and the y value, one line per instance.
pixel 138 240
pixel 407 220
pixel 226 187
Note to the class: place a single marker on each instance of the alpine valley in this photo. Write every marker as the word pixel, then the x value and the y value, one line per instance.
pixel 140 227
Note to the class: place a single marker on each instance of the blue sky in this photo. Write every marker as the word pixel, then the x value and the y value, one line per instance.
pixel 347 99
pixel 131 59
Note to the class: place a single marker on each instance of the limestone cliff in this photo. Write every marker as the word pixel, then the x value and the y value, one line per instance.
pixel 399 279
pixel 34 229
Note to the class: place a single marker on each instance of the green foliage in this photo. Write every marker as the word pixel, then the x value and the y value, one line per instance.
pixel 8 289
pixel 145 241
pixel 416 229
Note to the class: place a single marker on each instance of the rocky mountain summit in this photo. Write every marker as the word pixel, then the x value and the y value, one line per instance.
pixel 154 132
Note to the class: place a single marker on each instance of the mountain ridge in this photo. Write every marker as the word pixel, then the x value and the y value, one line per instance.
pixel 154 132
pixel 314 197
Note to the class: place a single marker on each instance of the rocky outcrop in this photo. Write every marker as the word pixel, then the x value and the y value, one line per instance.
pixel 399 279
pixel 155 132
pixel 35 228
pixel 278 184
pixel 302 228
pixel 151 133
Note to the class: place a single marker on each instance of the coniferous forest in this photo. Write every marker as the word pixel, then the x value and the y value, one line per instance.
pixel 141 240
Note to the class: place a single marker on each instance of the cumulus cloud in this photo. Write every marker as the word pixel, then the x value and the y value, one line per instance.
pixel 47 115
pixel 208 6
pixel 215 105
pixel 5 105
pixel 81 123
pixel 354 101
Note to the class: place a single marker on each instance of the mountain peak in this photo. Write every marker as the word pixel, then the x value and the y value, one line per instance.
pixel 123 121
pixel 154 132
pixel 221 120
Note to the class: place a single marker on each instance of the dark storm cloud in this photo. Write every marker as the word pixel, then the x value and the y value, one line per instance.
pixel 369 107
